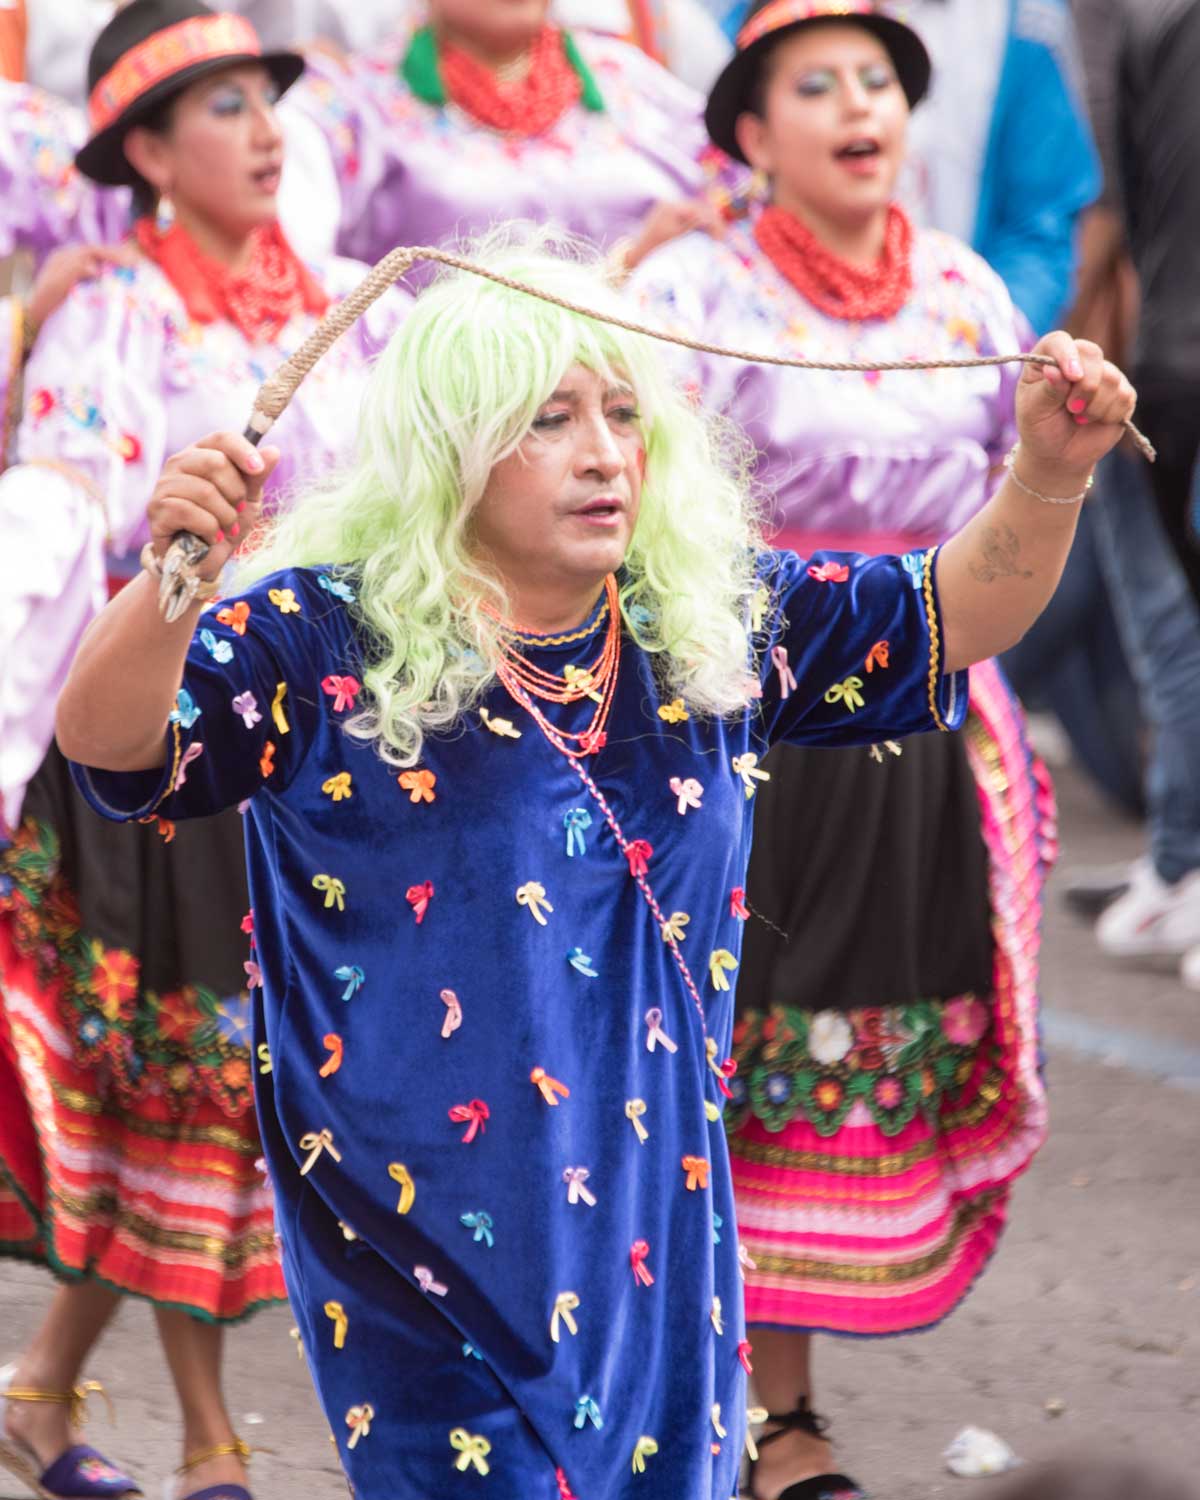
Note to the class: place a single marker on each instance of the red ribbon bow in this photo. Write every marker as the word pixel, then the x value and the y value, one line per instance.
pixel 419 897
pixel 638 1252
pixel 745 1349
pixel 343 691
pixel 737 904
pixel 638 854
pixel 476 1113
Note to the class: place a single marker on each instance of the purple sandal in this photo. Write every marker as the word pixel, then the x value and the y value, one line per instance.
pixel 78 1474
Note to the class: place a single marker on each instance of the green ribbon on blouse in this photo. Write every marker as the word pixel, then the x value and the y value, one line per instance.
pixel 420 69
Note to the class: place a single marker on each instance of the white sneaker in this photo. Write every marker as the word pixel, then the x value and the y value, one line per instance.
pixel 1189 969
pixel 1152 918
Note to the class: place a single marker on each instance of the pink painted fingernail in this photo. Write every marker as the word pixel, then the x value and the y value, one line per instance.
pixel 234 529
pixel 220 536
pixel 256 463
pixel 241 507
pixel 1076 405
pixel 1082 421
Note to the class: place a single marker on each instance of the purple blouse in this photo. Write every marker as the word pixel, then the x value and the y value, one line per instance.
pixel 910 455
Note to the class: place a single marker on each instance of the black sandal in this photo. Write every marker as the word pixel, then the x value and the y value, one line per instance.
pixel 819 1486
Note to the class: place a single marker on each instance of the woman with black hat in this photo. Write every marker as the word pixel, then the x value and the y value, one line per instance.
pixel 128 1144
pixel 888 1090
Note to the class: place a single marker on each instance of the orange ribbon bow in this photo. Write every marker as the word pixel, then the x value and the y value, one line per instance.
pixel 877 656
pixel 235 617
pixel 550 1087
pixel 419 785
pixel 697 1172
pixel 334 1044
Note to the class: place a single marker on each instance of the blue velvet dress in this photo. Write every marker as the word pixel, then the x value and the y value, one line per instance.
pixel 496 996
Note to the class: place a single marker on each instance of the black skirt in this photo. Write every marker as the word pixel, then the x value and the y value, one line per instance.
pixel 868 882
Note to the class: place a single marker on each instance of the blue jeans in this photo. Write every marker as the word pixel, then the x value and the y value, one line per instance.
pixel 1160 629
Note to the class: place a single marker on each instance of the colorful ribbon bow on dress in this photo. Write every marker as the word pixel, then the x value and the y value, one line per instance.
pixel 914 566
pixel 220 651
pixel 426 1281
pixel 336 1048
pixel 341 1323
pixel 697 1172
pixel 646 1448
pixel 482 1224
pixel 246 706
pixel 338 787
pixel 476 1114
pixel 638 1252
pixel 418 897
pixel 673 927
pixel 755 1417
pixel 878 656
pixel 576 820
pixel 284 600
pixel 716 1421
pixel 565 1304
pixel 587 1411
pixel 353 977
pixel 737 904
pixel 343 691
pixel 745 1349
pixel 674 712
pixel 550 1088
pixel 746 766
pixel 235 616
pixel 193 752
pixel 638 854
pixel 848 693
pixel 454 1017
pixel 419 785
pixel 720 963
pixel 314 1143
pixel 399 1173
pixel 471 1450
pixel 655 1035
pixel 716 1317
pixel 358 1420
pixel 533 895
pixel 787 678
pixel 686 793
pixel 724 1070
pixel 829 572
pixel 581 961
pixel 335 891
pixel 634 1110
pixel 505 728
pixel 279 718
pixel 575 1179
pixel 580 684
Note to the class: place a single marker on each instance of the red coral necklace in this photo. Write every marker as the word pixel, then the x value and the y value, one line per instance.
pixel 831 284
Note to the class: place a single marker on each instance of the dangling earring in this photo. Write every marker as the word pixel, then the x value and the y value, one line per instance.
pixel 164 214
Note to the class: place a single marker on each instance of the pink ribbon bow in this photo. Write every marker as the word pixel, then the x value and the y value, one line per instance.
pixel 426 1282
pixel 638 854
pixel 737 904
pixel 575 1178
pixel 638 1252
pixel 453 1012
pixel 787 678
pixel 830 572
pixel 687 793
pixel 656 1036
pixel 419 897
pixel 343 691
pixel 189 755
pixel 476 1114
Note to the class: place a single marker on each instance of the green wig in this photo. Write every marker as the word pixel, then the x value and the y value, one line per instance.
pixel 455 391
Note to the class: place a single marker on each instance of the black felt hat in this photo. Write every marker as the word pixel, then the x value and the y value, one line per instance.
pixel 148 52
pixel 769 20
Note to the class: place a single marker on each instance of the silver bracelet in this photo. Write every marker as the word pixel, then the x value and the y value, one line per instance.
pixel 1010 463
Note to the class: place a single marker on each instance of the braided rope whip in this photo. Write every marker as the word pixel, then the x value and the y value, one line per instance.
pixel 180 582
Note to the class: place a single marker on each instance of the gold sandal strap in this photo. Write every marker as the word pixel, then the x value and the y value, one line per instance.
pixel 239 1448
pixel 77 1399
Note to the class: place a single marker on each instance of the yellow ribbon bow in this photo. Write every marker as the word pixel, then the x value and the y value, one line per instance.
pixel 716 1420
pixel 712 1112
pixel 565 1304
pixel 721 962
pixel 419 785
pixel 696 1168
pixel 277 712
pixel 848 693
pixel 716 1318
pixel 634 1110
pixel 341 1323
pixel 674 712
pixel 890 746
pixel 471 1450
pixel 264 1058
pixel 338 787
pixel 756 1415
pixel 284 600
pixel 550 1087
pixel 505 728
pixel 398 1172
pixel 335 891
pixel 646 1448
pixel 533 895
pixel 673 927
pixel 746 766
pixel 581 683
pixel 314 1143
pixel 358 1420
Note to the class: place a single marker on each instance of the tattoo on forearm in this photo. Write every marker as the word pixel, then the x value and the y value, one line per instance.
pixel 999 556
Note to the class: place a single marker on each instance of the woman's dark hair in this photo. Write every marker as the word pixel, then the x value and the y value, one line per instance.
pixel 159 120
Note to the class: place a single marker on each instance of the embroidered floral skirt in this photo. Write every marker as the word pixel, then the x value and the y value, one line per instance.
pixel 888 1090
pixel 128 1142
